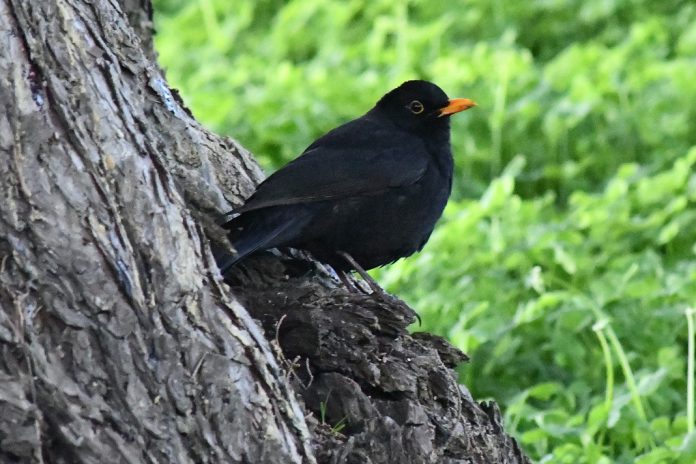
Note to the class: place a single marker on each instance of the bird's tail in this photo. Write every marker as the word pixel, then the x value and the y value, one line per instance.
pixel 258 230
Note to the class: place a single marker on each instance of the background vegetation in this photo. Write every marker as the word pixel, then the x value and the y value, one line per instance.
pixel 566 262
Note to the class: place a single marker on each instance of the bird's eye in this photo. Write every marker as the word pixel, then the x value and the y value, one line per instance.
pixel 416 107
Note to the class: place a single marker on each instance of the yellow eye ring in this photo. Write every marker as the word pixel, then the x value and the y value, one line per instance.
pixel 416 107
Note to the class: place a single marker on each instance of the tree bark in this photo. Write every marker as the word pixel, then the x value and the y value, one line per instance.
pixel 118 340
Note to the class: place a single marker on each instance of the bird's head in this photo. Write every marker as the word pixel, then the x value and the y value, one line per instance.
pixel 420 105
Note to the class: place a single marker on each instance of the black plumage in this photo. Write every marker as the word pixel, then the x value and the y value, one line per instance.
pixel 372 188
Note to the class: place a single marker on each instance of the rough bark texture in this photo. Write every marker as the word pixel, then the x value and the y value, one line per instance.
pixel 119 342
pixel 375 393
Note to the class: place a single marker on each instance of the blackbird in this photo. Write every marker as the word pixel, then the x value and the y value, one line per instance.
pixel 364 194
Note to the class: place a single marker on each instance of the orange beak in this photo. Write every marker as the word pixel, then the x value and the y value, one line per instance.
pixel 456 105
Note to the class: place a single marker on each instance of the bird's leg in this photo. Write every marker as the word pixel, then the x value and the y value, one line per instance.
pixel 374 286
pixel 376 289
pixel 343 277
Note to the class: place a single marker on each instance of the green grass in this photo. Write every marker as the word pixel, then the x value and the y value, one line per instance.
pixel 574 316
pixel 565 264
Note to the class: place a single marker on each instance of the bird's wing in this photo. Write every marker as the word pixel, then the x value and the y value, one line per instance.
pixel 357 159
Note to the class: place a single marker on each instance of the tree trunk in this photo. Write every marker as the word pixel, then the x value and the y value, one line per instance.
pixel 119 341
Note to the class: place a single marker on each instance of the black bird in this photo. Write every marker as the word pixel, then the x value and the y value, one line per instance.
pixel 363 195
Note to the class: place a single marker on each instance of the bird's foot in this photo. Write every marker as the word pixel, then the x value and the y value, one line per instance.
pixel 377 291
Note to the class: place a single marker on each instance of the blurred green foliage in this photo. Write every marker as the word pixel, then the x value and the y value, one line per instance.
pixel 566 260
